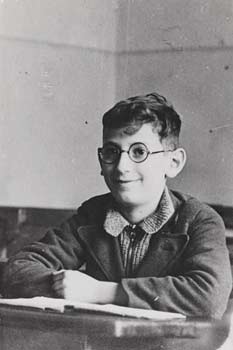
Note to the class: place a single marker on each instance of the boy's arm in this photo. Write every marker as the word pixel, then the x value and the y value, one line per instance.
pixel 201 285
pixel 29 272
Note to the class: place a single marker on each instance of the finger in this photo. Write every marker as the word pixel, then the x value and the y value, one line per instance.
pixel 60 293
pixel 59 290
pixel 58 278
pixel 58 275
pixel 57 285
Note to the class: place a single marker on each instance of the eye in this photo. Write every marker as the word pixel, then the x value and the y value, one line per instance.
pixel 139 151
pixel 110 150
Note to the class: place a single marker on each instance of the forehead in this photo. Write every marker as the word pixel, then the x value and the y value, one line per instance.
pixel 123 136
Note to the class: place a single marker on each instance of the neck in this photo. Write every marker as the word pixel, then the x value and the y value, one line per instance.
pixel 135 214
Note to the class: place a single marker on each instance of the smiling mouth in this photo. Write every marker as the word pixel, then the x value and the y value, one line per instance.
pixel 125 182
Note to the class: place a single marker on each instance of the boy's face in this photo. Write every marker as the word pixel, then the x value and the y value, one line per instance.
pixel 136 184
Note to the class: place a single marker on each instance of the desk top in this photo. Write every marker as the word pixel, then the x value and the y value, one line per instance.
pixel 37 329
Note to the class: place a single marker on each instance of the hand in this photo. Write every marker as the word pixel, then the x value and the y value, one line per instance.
pixel 75 285
pixel 78 286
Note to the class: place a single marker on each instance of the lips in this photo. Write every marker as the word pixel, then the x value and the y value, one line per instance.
pixel 125 181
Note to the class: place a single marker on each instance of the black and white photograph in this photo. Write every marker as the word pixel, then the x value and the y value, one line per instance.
pixel 116 185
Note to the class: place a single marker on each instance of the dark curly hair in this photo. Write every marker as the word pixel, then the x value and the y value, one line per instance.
pixel 152 108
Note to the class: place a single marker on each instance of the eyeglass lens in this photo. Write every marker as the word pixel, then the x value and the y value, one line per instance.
pixel 137 152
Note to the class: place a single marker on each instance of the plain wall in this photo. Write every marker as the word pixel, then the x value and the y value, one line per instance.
pixel 63 63
pixel 184 50
pixel 57 69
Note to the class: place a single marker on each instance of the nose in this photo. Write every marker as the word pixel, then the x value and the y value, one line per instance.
pixel 124 163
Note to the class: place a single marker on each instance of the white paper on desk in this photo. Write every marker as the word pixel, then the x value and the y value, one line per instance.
pixel 61 304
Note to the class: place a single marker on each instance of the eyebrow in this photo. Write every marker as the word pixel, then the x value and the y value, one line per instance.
pixel 111 143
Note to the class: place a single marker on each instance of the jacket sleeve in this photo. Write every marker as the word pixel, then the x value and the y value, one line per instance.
pixel 201 285
pixel 28 273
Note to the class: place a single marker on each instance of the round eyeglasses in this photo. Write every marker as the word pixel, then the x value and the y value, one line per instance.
pixel 138 153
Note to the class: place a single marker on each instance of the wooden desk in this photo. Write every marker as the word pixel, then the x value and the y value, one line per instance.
pixel 26 329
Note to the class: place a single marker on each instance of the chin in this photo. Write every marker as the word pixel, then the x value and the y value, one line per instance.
pixel 127 200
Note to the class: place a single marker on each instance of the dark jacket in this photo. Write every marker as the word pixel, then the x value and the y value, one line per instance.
pixel 186 268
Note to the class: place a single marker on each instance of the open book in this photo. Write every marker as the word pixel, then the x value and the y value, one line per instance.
pixel 63 304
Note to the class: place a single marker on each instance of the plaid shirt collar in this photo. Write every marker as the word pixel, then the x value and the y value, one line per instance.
pixel 115 223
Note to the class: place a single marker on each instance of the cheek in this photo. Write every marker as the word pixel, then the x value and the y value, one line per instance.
pixel 153 175
pixel 107 170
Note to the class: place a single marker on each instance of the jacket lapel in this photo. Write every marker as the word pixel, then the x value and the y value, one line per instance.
pixel 103 249
pixel 164 249
pixel 165 246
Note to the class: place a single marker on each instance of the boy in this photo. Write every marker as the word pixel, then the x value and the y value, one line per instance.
pixel 143 245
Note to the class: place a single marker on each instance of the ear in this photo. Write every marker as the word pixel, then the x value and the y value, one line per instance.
pixel 101 171
pixel 177 162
